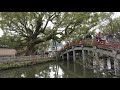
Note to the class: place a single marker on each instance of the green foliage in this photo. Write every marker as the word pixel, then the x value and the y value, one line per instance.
pixel 16 42
pixel 28 29
pixel 88 26
pixel 112 27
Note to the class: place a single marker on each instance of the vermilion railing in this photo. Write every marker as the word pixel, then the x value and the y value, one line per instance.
pixel 92 42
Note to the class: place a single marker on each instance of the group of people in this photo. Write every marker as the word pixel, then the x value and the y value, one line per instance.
pixel 107 38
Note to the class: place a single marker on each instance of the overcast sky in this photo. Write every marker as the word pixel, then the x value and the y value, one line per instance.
pixel 116 15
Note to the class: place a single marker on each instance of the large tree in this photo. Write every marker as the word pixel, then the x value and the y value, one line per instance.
pixel 89 25
pixel 112 27
pixel 33 28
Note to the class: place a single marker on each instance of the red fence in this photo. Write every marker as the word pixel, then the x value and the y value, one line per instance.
pixel 92 42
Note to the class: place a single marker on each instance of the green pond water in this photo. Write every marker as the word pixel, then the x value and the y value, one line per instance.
pixel 61 69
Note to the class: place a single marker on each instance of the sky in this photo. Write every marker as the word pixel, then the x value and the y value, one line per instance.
pixel 116 15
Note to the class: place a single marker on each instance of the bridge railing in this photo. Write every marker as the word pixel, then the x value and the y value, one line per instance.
pixel 112 44
pixel 92 42
pixel 80 42
pixel 88 42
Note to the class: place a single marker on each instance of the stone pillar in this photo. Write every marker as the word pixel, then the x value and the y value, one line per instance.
pixel 68 56
pixel 101 64
pixel 83 55
pixel 94 63
pixel 96 57
pixel 79 55
pixel 74 54
pixel 108 63
pixel 116 64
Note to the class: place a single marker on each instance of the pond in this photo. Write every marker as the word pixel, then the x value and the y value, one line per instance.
pixel 62 69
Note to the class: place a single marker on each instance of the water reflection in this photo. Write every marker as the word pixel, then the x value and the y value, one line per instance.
pixel 23 75
pixel 53 70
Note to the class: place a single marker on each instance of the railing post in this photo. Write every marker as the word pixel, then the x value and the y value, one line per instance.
pixel 74 55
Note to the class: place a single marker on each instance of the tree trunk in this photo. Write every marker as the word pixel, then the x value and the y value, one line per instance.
pixel 29 50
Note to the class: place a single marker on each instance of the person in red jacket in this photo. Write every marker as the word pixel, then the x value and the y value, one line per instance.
pixel 99 36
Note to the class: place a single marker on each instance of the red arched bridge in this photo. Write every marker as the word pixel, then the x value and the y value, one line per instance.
pixel 108 48
pixel 98 48
pixel 89 42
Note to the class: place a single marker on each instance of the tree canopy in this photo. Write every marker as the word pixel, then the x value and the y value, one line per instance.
pixel 31 28
pixel 112 27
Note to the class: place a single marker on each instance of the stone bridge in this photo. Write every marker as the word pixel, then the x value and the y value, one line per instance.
pixel 73 51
